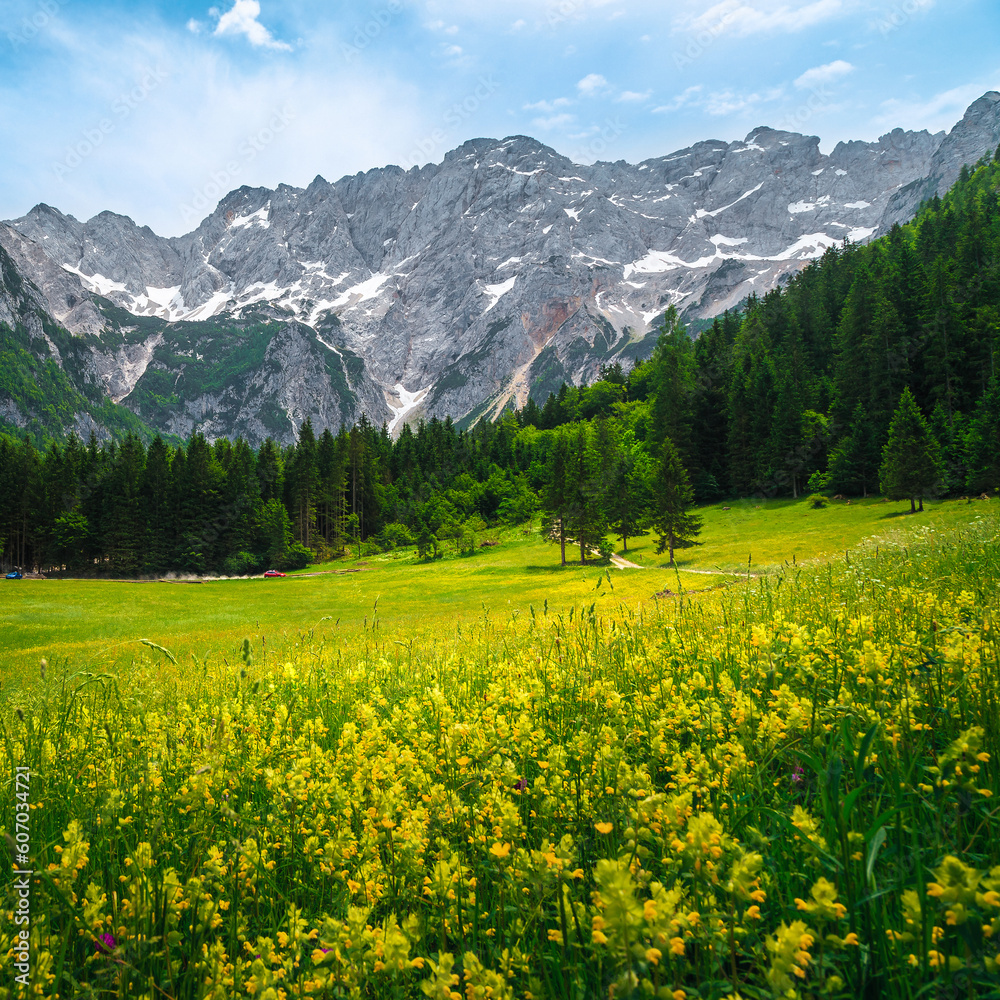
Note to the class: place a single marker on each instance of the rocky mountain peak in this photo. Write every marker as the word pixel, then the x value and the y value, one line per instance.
pixel 453 288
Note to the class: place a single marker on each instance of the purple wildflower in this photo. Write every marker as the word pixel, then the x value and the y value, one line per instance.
pixel 798 774
pixel 522 785
pixel 105 944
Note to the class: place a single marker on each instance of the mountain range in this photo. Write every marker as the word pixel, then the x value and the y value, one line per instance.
pixel 453 289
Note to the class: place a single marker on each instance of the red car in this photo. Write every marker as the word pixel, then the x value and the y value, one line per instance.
pixel 272 572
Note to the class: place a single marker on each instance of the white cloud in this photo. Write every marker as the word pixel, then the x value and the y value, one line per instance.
pixel 941 111
pixel 719 102
pixel 548 106
pixel 631 95
pixel 553 121
pixel 742 19
pixel 214 124
pixel 448 29
pixel 241 19
pixel 687 97
pixel 727 102
pixel 519 24
pixel 453 50
pixel 592 84
pixel 819 75
pixel 194 26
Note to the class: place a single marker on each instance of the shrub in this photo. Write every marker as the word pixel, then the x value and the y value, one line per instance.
pixel 817 500
pixel 394 536
pixel 242 564
pixel 296 556
pixel 427 544
pixel 818 481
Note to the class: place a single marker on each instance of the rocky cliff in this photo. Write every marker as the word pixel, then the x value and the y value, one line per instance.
pixel 459 287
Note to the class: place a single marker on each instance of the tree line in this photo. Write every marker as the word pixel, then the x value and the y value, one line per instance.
pixel 874 368
pixel 125 509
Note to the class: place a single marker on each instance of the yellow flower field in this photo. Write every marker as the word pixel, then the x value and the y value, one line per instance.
pixel 788 788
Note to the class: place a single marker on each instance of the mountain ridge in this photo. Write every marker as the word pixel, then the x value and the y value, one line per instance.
pixel 466 286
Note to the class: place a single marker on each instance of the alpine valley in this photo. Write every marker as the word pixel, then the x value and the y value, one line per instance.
pixel 454 289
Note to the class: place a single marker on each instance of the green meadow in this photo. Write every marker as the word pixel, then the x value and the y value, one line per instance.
pixel 769 533
pixel 495 777
pixel 90 621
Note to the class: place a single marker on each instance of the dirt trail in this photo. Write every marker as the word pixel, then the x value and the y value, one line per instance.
pixel 621 563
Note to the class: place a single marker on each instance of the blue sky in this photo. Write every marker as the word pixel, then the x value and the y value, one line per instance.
pixel 155 109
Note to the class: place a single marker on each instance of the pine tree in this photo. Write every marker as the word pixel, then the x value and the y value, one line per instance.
pixel 911 459
pixel 628 496
pixel 555 497
pixel 155 492
pixel 788 455
pixel 854 463
pixel 123 523
pixel 672 495
pixel 587 520
pixel 752 397
pixel 302 484
pixel 713 355
pixel 673 383
pixel 982 442
pixel 950 436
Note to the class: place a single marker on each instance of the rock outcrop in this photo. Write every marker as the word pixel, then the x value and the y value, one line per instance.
pixel 459 287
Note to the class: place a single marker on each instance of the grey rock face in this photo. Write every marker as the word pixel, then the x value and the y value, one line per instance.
pixel 977 134
pixel 461 285
pixel 62 293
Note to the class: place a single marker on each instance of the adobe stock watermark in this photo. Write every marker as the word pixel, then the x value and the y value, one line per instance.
pixel 561 11
pixel 700 41
pixel 366 33
pixel 900 14
pixel 456 115
pixel 22 876
pixel 30 27
pixel 223 180
pixel 818 100
pixel 600 142
pixel 121 107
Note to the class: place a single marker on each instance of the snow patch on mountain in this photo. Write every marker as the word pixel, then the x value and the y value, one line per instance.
pixel 408 401
pixel 496 292
pixel 258 218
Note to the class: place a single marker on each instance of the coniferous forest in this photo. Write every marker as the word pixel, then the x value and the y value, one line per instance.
pixel 872 371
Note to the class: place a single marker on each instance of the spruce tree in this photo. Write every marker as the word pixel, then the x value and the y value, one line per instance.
pixel 628 497
pixel 982 442
pixel 155 492
pixel 854 463
pixel 672 495
pixel 673 382
pixel 911 459
pixel 587 521
pixel 555 496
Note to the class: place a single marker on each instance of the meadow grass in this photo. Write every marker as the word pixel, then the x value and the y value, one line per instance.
pixel 100 621
pixel 787 787
pixel 769 533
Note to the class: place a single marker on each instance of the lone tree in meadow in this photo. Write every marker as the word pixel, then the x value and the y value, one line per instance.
pixel 672 495
pixel 628 497
pixel 911 458
pixel 556 495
